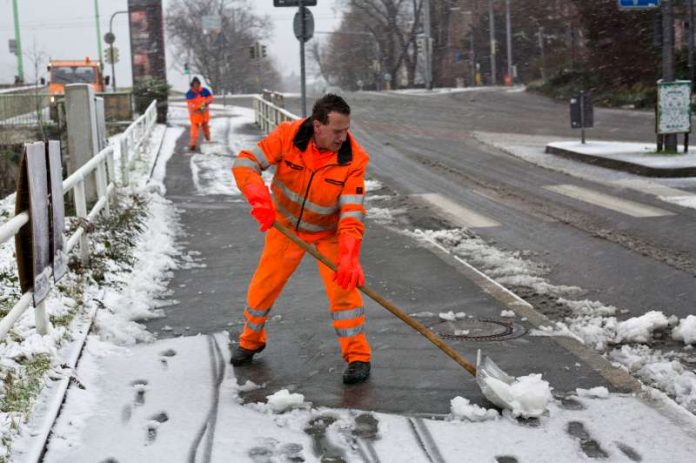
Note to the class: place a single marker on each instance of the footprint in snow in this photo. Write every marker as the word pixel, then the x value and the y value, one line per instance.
pixel 589 446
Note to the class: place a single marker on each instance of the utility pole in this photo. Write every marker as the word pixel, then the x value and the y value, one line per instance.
pixel 670 140
pixel 543 53
pixel 18 40
pixel 99 37
pixel 493 44
pixel 692 73
pixel 426 35
pixel 303 84
pixel 508 27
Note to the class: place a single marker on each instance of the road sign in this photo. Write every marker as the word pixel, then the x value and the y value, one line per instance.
pixel 295 3
pixel 673 107
pixel 109 38
pixel 309 24
pixel 638 4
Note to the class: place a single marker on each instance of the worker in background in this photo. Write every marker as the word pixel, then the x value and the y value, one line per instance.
pixel 198 99
pixel 318 191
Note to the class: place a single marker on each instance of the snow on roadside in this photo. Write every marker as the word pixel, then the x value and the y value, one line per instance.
pixel 686 330
pixel 590 322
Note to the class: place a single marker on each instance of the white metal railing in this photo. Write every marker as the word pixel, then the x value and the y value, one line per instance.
pixel 268 115
pixel 102 167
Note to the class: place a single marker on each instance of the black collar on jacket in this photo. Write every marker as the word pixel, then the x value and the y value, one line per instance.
pixel 305 134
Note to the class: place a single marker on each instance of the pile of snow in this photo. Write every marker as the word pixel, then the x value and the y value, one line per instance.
pixel 599 392
pixel 686 330
pixel 663 371
pixel 640 329
pixel 462 409
pixel 507 314
pixel 284 400
pixel 528 396
pixel 451 316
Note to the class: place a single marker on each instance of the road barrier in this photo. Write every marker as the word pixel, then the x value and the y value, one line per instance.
pixel 27 109
pixel 103 168
pixel 268 115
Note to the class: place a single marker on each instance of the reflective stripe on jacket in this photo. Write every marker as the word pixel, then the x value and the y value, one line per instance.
pixel 314 198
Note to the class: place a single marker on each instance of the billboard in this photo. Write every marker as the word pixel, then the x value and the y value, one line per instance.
pixel 147 40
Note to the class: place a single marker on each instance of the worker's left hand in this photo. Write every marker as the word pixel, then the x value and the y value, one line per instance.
pixel 349 272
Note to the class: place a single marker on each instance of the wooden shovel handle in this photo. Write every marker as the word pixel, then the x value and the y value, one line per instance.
pixel 372 294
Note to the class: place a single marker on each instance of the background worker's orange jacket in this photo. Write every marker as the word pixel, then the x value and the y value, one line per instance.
pixel 316 193
pixel 194 101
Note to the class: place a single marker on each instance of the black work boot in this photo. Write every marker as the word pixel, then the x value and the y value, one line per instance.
pixel 357 372
pixel 242 356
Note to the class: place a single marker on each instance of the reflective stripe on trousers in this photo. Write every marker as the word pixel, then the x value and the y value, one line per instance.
pixel 278 261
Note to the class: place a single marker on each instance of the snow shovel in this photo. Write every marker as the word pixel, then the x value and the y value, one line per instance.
pixel 488 375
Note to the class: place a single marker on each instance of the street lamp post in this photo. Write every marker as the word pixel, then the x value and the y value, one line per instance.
pixel 508 27
pixel 111 49
pixel 18 42
pixel 99 37
pixel 493 44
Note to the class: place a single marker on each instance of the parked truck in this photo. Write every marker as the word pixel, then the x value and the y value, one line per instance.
pixel 63 72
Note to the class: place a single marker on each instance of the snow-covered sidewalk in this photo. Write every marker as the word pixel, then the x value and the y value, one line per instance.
pixel 178 399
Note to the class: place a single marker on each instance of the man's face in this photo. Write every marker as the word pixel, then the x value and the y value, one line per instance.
pixel 195 86
pixel 331 136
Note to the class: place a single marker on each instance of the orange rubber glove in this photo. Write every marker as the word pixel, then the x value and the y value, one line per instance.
pixel 349 272
pixel 261 205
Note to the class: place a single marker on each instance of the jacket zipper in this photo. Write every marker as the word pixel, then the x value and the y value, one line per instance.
pixel 306 195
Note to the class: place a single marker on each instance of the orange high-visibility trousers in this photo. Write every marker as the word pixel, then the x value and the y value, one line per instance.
pixel 202 121
pixel 278 261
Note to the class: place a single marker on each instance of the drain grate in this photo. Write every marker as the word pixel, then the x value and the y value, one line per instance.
pixel 479 329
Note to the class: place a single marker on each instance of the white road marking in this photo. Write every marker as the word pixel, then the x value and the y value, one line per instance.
pixel 606 201
pixel 460 215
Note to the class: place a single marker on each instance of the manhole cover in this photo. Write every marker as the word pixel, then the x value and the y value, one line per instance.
pixel 479 330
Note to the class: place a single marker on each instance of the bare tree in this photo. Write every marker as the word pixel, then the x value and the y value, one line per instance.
pixel 222 56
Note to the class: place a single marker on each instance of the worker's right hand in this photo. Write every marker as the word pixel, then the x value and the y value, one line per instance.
pixel 261 205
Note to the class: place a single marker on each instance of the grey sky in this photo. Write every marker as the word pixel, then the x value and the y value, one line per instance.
pixel 65 29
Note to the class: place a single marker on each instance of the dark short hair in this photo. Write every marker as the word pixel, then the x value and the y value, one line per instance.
pixel 194 80
pixel 329 103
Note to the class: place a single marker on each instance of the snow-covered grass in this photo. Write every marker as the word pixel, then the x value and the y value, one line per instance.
pixel 627 342
pixel 132 252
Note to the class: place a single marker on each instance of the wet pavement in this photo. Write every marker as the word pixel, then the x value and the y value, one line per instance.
pixel 409 374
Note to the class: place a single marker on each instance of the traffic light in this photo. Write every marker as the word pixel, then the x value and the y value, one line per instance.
pixel 187 70
pixel 420 44
pixel 252 52
pixel 263 51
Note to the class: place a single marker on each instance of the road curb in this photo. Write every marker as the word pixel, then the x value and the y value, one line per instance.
pixel 620 379
pixel 625 166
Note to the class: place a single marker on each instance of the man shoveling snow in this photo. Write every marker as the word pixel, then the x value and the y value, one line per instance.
pixel 318 191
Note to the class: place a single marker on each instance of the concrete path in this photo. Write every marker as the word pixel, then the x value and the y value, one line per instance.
pixel 409 374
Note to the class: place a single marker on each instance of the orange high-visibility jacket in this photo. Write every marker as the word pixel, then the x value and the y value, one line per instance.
pixel 314 195
pixel 194 100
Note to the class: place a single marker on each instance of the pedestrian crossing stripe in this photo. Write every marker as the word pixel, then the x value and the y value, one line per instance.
pixel 623 206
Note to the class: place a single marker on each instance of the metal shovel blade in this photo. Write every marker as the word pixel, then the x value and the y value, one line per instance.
pixel 493 381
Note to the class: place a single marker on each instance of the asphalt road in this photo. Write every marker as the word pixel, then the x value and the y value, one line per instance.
pixel 425 145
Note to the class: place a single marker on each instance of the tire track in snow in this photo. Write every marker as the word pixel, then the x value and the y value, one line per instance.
pixel 217 366
pixel 425 440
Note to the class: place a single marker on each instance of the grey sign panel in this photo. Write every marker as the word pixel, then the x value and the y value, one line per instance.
pixel 55 170
pixel 309 24
pixel 33 240
pixel 674 107
pixel 295 3
pixel 581 111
